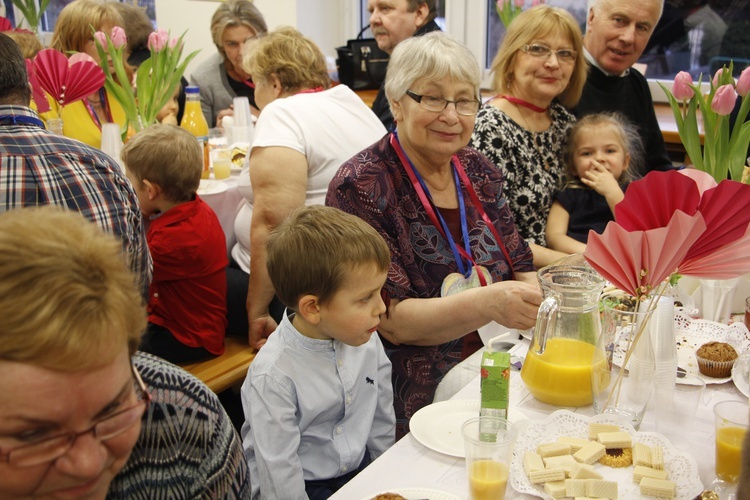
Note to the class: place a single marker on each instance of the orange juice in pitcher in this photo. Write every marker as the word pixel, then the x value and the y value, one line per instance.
pixel 557 369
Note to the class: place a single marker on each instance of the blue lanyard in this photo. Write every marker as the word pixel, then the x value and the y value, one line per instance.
pixel 21 120
pixel 463 268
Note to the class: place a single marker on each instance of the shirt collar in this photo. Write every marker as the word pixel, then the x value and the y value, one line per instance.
pixel 15 109
pixel 593 62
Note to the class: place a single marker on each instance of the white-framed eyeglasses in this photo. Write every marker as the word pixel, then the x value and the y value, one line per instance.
pixel 465 107
pixel 50 449
pixel 539 50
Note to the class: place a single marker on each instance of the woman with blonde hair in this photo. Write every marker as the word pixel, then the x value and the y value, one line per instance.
pixel 222 77
pixel 74 32
pixel 82 415
pixel 538 71
pixel 305 131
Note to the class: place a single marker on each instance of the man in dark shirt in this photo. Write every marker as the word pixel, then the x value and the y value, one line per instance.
pixel 391 22
pixel 617 33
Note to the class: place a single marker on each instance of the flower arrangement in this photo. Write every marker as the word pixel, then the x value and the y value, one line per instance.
pixel 508 10
pixel 724 151
pixel 32 11
pixel 671 223
pixel 156 80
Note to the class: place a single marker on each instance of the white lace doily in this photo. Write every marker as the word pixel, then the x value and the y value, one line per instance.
pixel 690 334
pixel 681 467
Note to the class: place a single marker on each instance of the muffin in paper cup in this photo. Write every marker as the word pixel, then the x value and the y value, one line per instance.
pixel 716 359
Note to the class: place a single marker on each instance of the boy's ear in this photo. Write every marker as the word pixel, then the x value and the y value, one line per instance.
pixel 309 308
pixel 152 189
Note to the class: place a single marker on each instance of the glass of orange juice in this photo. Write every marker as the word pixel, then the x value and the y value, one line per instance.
pixel 221 162
pixel 488 442
pixel 731 425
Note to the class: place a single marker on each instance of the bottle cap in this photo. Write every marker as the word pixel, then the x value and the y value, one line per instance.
pixel 192 89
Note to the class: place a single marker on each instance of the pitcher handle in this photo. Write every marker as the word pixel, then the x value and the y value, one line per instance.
pixel 546 319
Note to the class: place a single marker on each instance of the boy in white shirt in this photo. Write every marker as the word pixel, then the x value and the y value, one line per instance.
pixel 318 398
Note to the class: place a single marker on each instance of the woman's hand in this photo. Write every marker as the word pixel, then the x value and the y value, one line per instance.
pixel 515 304
pixel 170 119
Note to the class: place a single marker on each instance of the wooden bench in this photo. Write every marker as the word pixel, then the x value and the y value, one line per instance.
pixel 226 370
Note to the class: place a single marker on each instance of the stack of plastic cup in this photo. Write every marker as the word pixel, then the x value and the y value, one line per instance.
pixel 242 129
pixel 665 349
pixel 112 141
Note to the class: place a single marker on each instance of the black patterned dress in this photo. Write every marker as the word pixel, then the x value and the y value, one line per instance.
pixel 533 164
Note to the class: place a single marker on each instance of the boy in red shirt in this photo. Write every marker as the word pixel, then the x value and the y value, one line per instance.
pixel 187 296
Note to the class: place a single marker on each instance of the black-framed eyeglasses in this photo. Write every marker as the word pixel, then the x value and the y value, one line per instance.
pixel 465 107
pixel 539 50
pixel 52 448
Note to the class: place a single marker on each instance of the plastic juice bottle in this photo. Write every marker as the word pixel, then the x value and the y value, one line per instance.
pixel 194 122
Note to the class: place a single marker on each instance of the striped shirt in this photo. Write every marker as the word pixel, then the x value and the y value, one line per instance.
pixel 41 168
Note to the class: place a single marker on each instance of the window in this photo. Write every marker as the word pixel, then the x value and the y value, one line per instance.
pixel 56 6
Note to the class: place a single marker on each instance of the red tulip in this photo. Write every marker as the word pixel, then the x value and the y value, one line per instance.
pixel 681 88
pixel 743 84
pixel 724 99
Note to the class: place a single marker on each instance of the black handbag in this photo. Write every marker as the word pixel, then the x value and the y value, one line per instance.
pixel 361 63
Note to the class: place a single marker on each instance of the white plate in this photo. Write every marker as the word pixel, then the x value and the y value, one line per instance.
pixel 691 333
pixel 208 187
pixel 681 467
pixel 438 426
pixel 418 494
pixel 741 373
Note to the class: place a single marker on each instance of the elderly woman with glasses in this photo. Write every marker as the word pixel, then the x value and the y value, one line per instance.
pixel 538 69
pixel 81 414
pixel 457 260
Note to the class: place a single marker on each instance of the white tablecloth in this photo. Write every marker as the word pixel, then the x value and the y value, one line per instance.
pixel 409 464
pixel 226 205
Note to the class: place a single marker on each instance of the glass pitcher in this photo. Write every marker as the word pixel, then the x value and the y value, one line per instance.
pixel 557 369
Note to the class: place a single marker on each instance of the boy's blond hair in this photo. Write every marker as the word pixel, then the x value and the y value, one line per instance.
pixel 316 247
pixel 27 42
pixel 67 299
pixel 168 156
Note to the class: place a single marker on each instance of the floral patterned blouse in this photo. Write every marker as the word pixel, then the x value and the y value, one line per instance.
pixel 374 186
pixel 533 163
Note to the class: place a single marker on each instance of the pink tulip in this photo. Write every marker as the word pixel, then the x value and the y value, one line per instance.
pixel 118 37
pixel 681 88
pixel 519 3
pixel 534 3
pixel 500 5
pixel 158 40
pixel 101 38
pixel 724 99
pixel 743 84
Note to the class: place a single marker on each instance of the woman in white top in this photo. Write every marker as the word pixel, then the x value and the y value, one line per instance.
pixel 305 131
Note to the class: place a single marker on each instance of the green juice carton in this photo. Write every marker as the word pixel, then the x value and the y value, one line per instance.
pixel 495 384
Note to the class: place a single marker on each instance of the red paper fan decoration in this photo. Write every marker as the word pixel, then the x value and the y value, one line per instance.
pixel 66 84
pixel 730 261
pixel 650 202
pixel 37 93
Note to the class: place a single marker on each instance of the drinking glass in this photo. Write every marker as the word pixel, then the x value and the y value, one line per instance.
pixel 676 410
pixel 488 442
pixel 221 159
pixel 731 419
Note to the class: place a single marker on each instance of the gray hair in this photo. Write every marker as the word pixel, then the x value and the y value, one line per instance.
pixel 431 56
pixel 236 13
pixel 14 81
